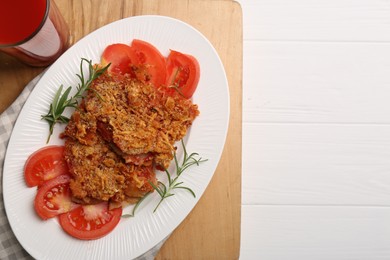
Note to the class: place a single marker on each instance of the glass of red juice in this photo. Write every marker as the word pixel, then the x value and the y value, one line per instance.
pixel 33 31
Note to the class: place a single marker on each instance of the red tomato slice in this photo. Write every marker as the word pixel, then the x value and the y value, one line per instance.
pixel 183 73
pixel 53 197
pixel 149 65
pixel 120 56
pixel 45 164
pixel 90 221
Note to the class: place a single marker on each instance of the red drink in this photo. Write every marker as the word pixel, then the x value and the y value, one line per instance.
pixel 33 31
pixel 18 20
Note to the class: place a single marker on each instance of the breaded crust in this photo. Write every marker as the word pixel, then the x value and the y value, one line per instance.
pixel 119 133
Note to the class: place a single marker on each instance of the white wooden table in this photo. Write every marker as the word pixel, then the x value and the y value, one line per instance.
pixel 316 129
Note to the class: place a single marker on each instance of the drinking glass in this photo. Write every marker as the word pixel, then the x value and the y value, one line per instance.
pixel 33 31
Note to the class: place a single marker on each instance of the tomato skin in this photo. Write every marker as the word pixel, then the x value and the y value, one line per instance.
pixel 44 164
pixel 149 65
pixel 53 198
pixel 141 60
pixel 90 221
pixel 120 56
pixel 183 73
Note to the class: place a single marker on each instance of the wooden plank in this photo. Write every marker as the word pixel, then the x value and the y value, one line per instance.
pixel 14 76
pixel 214 225
pixel 320 20
pixel 316 164
pixel 307 233
pixel 316 82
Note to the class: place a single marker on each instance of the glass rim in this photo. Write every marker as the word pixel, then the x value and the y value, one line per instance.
pixel 33 33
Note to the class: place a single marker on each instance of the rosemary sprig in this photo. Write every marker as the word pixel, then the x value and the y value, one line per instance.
pixel 61 100
pixel 167 191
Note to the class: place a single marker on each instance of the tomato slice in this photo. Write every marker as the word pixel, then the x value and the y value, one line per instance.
pixel 44 164
pixel 183 73
pixel 141 60
pixel 90 221
pixel 53 197
pixel 120 56
pixel 149 65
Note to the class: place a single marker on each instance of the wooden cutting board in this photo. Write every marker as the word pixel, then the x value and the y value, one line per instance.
pixel 212 229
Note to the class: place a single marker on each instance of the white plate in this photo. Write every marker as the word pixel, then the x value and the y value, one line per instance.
pixel 133 236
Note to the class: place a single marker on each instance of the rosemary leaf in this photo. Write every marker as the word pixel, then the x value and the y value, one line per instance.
pixel 157 188
pixel 54 105
pixel 177 184
pixel 61 101
pixel 186 188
